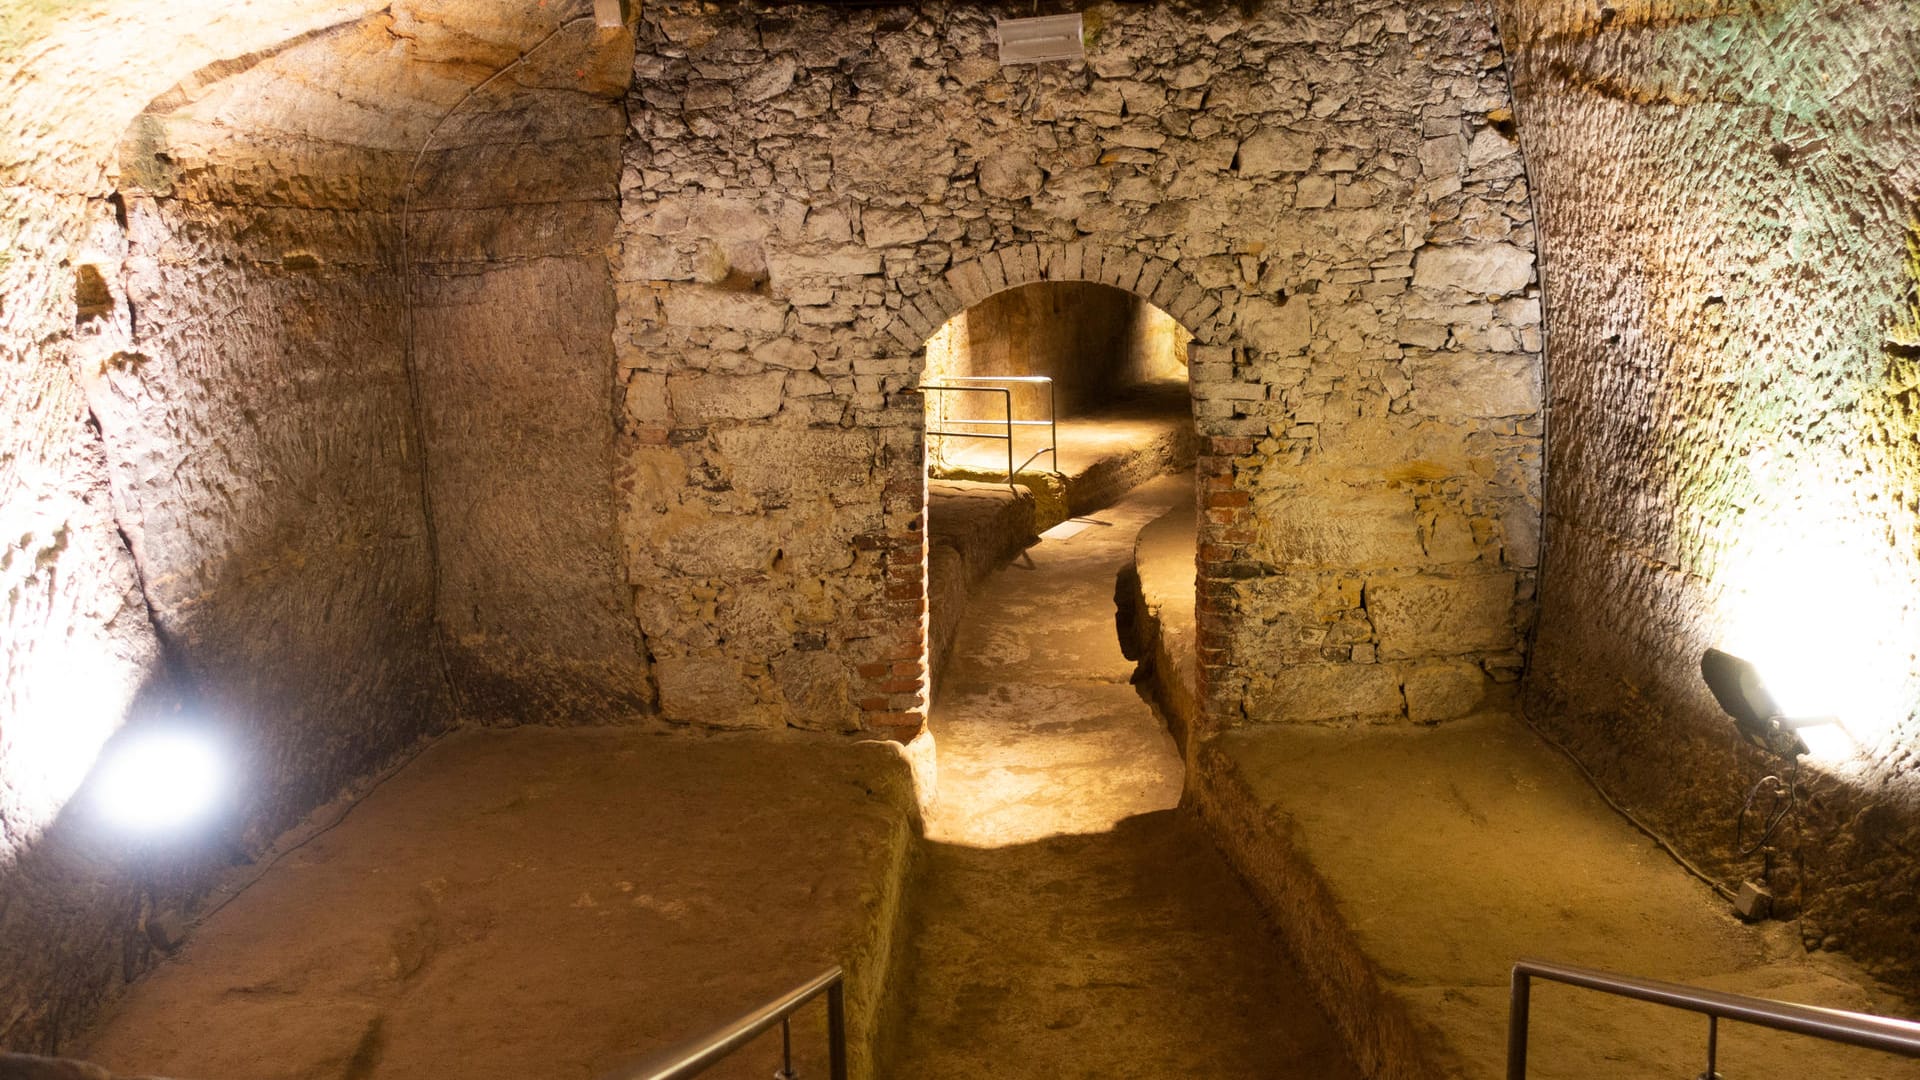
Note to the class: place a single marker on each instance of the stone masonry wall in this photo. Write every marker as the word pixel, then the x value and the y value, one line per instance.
pixel 1324 193
pixel 1727 198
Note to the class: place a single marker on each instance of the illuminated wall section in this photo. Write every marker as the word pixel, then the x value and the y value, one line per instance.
pixel 77 641
pixel 1725 196
pixel 216 504
pixel 1094 341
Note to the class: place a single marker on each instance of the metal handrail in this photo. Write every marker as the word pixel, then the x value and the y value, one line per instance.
pixel 1007 422
pixel 695 1056
pixel 1885 1033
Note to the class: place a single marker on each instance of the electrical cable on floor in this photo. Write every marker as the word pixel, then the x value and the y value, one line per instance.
pixel 1546 409
pixel 1645 829
pixel 353 802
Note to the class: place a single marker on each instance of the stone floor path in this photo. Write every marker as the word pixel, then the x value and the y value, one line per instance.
pixel 1070 922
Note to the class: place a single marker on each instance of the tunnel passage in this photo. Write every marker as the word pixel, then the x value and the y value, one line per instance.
pixel 800 198
pixel 1044 401
pixel 802 190
pixel 1110 357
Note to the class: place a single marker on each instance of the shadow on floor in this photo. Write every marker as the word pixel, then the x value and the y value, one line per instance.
pixel 1129 953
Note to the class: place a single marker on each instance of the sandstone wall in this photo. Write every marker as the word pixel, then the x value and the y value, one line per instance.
pixel 512 214
pixel 76 638
pixel 252 394
pixel 1323 193
pixel 1726 193
pixel 216 495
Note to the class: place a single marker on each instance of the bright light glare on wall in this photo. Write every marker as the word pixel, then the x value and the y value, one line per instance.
pixel 1810 613
pixel 70 705
pixel 159 780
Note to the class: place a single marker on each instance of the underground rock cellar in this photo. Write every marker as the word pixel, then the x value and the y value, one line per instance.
pixel 1124 539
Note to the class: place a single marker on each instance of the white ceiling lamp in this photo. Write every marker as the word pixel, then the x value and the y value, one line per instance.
pixel 1040 39
pixel 610 14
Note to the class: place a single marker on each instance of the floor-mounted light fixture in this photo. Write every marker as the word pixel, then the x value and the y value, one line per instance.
pixel 1737 686
pixel 1040 38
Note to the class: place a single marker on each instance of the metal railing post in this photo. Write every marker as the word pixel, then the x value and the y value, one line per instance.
pixel 1053 429
pixel 786 1050
pixel 697 1055
pixel 943 426
pixel 837 1032
pixel 1006 408
pixel 1517 1025
pixel 1713 1048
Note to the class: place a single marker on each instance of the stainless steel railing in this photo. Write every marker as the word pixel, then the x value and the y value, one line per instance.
pixel 695 1056
pixel 1835 1025
pixel 1006 424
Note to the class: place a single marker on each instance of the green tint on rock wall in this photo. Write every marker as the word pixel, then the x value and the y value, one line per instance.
pixel 1725 192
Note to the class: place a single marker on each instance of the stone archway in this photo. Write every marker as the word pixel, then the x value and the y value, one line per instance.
pixel 1215 323
pixel 1363 347
pixel 1156 280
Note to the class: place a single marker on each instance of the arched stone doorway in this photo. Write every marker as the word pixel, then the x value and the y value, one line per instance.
pixel 1045 403
pixel 1210 331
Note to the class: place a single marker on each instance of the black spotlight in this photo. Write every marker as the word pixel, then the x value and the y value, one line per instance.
pixel 1736 685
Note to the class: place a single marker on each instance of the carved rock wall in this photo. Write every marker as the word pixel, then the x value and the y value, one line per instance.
pixel 252 393
pixel 76 637
pixel 512 214
pixel 1323 193
pixel 1726 197
pixel 218 342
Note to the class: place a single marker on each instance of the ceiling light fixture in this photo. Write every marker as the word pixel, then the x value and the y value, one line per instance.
pixel 1040 39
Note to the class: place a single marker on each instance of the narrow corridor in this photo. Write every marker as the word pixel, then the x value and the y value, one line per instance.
pixel 1070 921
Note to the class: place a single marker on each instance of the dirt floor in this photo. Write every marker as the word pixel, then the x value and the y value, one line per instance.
pixel 542 903
pixel 1067 920
pixel 553 903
